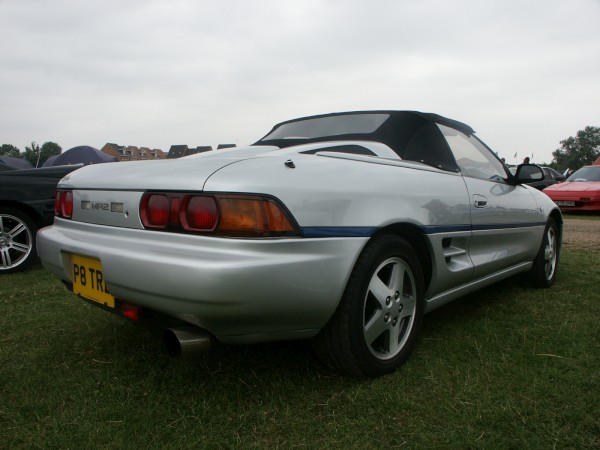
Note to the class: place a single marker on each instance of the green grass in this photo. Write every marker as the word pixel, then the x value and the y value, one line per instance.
pixel 507 367
pixel 582 215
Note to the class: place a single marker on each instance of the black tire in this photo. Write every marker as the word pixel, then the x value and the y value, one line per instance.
pixel 545 265
pixel 373 333
pixel 17 240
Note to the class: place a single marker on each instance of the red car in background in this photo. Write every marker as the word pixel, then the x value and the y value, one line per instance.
pixel 581 191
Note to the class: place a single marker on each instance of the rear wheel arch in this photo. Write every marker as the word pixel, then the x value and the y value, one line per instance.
pixel 30 212
pixel 558 220
pixel 416 238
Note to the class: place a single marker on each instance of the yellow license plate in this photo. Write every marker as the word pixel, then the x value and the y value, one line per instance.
pixel 88 280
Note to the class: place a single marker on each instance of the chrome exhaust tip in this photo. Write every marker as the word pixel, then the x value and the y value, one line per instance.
pixel 186 341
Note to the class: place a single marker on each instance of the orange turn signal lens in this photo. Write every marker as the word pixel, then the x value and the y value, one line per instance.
pixel 248 216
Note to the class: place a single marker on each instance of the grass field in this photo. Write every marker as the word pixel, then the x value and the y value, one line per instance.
pixel 586 215
pixel 508 367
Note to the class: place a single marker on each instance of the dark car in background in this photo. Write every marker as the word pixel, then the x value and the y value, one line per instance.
pixel 551 177
pixel 26 204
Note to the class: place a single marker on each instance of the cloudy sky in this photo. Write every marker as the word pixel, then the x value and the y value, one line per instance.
pixel 525 74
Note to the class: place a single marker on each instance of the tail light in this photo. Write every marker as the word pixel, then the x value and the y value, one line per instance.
pixel 155 211
pixel 228 215
pixel 199 213
pixel 63 204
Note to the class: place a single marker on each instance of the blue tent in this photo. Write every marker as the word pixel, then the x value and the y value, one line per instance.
pixel 17 163
pixel 50 161
pixel 81 154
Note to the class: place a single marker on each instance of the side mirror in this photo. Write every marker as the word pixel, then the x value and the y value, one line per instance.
pixel 527 173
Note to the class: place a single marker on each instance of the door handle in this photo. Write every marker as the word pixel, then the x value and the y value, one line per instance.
pixel 480 201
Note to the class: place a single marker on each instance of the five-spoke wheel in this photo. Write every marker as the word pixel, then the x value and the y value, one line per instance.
pixel 376 325
pixel 17 240
pixel 389 308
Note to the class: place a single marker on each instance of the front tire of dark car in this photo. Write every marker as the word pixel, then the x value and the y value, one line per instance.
pixel 17 240
pixel 376 325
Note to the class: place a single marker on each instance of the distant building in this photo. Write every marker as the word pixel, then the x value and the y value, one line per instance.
pixel 115 150
pixel 221 146
pixel 157 153
pixel 179 151
pixel 132 153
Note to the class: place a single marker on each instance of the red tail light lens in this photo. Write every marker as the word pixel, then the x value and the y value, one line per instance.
pixel 155 211
pixel 229 215
pixel 199 213
pixel 63 205
pixel 67 204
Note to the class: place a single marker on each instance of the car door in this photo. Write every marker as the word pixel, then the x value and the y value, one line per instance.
pixel 505 218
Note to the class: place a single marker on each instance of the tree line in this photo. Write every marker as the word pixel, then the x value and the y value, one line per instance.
pixel 35 154
pixel 578 151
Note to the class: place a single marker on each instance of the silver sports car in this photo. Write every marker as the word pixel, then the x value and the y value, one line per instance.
pixel 345 228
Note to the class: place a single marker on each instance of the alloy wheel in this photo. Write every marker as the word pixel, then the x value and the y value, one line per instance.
pixel 16 241
pixel 389 308
pixel 550 253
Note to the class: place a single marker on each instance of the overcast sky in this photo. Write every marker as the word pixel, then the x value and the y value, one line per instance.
pixel 524 74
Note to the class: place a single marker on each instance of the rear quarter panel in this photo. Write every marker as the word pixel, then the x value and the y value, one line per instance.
pixel 323 191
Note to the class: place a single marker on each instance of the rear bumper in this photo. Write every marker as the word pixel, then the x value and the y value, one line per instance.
pixel 240 290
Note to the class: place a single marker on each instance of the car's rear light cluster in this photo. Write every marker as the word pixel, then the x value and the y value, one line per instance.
pixel 63 204
pixel 229 215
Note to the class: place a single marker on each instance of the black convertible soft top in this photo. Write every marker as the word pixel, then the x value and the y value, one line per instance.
pixel 413 135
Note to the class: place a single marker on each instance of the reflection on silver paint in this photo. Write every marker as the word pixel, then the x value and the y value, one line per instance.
pixel 334 191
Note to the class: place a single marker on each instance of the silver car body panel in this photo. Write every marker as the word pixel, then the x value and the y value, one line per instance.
pixel 249 290
pixel 113 208
pixel 233 288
